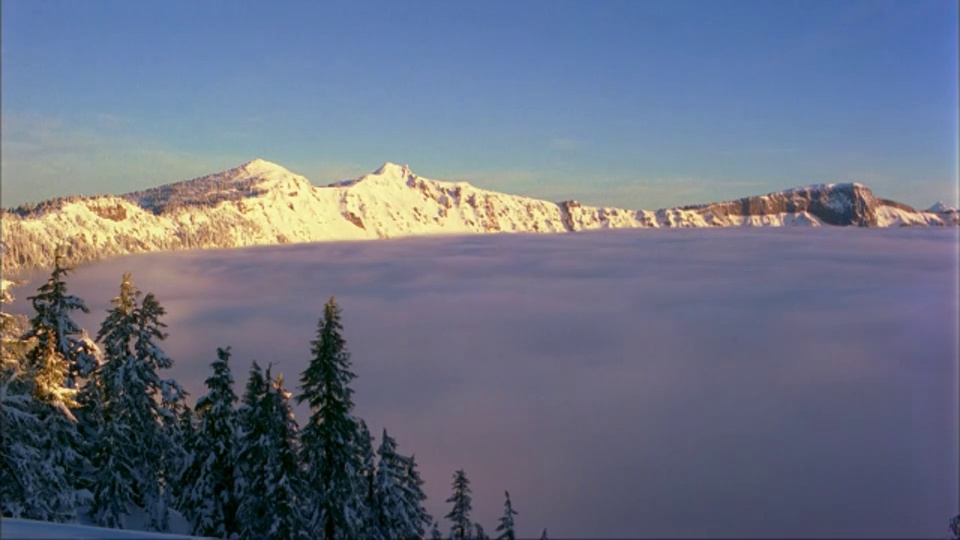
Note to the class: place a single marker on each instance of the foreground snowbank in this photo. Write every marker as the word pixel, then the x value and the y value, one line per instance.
pixel 26 528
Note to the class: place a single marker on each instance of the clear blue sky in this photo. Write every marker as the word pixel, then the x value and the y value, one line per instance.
pixel 628 103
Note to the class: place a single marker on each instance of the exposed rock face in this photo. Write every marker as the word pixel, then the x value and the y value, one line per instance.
pixel 262 203
pixel 832 204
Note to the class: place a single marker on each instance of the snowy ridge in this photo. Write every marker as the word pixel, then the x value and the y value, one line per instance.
pixel 260 203
pixel 940 206
pixel 820 204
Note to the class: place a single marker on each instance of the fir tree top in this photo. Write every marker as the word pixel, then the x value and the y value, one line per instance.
pixel 506 526
pixel 462 505
pixel 220 385
pixel 331 439
pixel 256 386
pixel 325 382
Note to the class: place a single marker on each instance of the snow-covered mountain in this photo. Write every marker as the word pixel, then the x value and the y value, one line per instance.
pixel 262 203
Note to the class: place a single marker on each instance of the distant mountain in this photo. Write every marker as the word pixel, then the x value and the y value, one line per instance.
pixel 261 203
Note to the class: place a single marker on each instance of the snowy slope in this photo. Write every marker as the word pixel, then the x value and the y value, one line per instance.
pixel 26 528
pixel 262 203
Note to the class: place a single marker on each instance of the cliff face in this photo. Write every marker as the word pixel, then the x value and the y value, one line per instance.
pixel 262 203
pixel 832 204
pixel 849 204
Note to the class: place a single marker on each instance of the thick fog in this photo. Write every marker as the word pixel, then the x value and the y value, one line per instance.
pixel 789 382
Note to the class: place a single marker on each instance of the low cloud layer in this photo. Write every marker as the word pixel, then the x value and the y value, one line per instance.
pixel 702 383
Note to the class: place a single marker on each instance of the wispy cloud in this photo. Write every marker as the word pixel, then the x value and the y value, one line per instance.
pixel 45 156
pixel 564 143
pixel 761 151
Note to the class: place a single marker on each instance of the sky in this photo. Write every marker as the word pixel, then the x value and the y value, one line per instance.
pixel 740 383
pixel 637 104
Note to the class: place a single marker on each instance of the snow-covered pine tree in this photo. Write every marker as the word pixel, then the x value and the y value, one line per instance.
pixel 286 482
pixel 116 337
pixel 368 471
pixel 55 365
pixel 329 440
pixel 209 498
pixel 152 404
pixel 268 466
pixel 166 397
pixel 392 518
pixel 253 449
pixel 174 408
pixel 414 497
pixel 506 526
pixel 134 451
pixel 479 533
pixel 184 432
pixel 111 481
pixel 459 515
pixel 62 355
pixel 32 486
pixel 111 497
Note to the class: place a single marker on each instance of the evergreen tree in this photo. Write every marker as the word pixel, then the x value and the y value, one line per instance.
pixel 33 482
pixel 479 533
pixel 506 526
pixel 252 450
pixel 156 408
pixel 183 433
pixel 286 484
pixel 955 526
pixel 267 461
pixel 544 535
pixel 209 499
pixel 371 526
pixel 133 448
pixel 331 452
pixel 116 336
pixel 174 408
pixel 112 482
pixel 62 354
pixel 462 505
pixel 414 498
pixel 392 518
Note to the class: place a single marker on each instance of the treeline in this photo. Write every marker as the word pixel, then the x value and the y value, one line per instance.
pixel 205 192
pixel 90 426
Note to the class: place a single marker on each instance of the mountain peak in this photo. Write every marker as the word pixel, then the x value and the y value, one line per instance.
pixel 260 166
pixel 843 186
pixel 940 206
pixel 390 168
